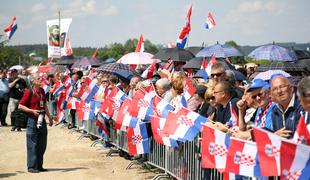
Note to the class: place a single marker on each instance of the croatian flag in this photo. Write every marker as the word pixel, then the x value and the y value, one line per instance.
pixel 140 45
pixel 158 124
pixel 215 146
pixel 10 30
pixel 160 107
pixel 88 90
pixel 233 121
pixel 60 116
pixel 138 140
pixel 88 111
pixel 210 23
pixel 148 73
pixel 184 125
pixel 124 118
pixel 181 41
pixel 295 161
pixel 242 158
pixel 211 62
pixel 204 68
pixel 142 105
pixel 46 88
pixel 302 134
pixel 189 89
pixel 73 103
pixel 102 128
pixel 59 89
pixel 268 145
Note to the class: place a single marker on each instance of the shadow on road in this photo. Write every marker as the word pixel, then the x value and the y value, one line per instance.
pixel 5 175
pixel 65 169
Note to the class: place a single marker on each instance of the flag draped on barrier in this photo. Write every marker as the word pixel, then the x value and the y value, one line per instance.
pixel 124 118
pixel 138 140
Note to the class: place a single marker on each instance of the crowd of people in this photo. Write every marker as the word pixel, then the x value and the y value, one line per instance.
pixel 275 105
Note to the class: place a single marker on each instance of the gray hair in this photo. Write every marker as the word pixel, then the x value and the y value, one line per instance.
pixel 304 87
pixel 163 83
pixel 32 76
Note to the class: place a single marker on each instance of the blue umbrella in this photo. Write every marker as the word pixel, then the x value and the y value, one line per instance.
pixel 220 51
pixel 273 52
pixel 238 75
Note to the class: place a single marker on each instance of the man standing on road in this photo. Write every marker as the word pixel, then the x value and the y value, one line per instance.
pixel 33 103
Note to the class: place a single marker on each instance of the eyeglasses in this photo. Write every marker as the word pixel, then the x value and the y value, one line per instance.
pixel 210 98
pixel 281 88
pixel 104 81
pixel 259 95
pixel 216 74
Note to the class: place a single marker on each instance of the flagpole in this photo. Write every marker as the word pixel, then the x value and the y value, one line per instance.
pixel 59 34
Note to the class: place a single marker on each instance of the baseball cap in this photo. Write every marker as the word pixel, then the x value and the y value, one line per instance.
pixel 258 83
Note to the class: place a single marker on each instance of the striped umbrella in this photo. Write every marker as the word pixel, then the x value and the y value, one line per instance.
pixel 220 51
pixel 273 52
pixel 113 67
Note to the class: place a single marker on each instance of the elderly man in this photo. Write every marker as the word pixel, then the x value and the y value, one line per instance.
pixel 286 113
pixel 223 96
pixel 304 96
pixel 33 103
pixel 163 87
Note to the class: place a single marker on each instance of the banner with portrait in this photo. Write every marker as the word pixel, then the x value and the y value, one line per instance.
pixel 58 39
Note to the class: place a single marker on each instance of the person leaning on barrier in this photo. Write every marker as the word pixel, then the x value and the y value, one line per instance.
pixel 163 87
pixel 223 96
pixel 176 91
pixel 259 92
pixel 286 113
pixel 303 92
pixel 36 135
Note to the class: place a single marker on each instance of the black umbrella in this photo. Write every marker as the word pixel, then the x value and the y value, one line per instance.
pixel 305 63
pixel 194 49
pixel 113 67
pixel 289 67
pixel 195 63
pixel 66 61
pixel 301 54
pixel 175 54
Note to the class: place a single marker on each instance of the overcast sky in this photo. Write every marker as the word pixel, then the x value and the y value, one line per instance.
pixel 100 22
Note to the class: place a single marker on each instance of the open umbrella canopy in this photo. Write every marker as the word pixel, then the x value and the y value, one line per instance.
pixel 194 49
pixel 66 61
pixel 266 75
pixel 17 67
pixel 175 54
pixel 137 58
pixel 86 61
pixel 273 52
pixel 285 66
pixel 219 51
pixel 113 67
pixel 300 54
pixel 196 62
pixel 304 63
pixel 57 68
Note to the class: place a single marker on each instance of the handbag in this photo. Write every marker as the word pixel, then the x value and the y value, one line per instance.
pixel 20 118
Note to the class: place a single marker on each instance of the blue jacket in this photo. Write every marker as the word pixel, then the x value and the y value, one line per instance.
pixel 291 117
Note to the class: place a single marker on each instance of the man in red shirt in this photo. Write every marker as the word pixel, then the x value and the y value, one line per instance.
pixel 33 103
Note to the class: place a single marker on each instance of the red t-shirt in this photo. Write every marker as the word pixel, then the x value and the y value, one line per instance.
pixel 34 101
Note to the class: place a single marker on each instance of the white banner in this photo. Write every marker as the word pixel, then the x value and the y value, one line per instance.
pixel 55 49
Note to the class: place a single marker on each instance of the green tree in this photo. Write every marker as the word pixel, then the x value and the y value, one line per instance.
pixel 235 60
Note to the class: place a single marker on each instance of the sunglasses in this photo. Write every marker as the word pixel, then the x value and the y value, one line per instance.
pixel 104 81
pixel 259 94
pixel 216 74
pixel 210 98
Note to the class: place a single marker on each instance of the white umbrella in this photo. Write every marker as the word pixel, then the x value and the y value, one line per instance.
pixel 137 58
pixel 17 67
pixel 267 74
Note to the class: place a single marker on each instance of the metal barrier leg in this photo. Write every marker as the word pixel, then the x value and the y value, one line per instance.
pixel 159 176
pixel 112 151
pixel 96 142
pixel 83 135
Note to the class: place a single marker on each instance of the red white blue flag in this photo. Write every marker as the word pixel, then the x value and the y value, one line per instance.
pixel 142 108
pixel 210 23
pixel 160 107
pixel 268 145
pixel 88 90
pixel 10 30
pixel 233 121
pixel 211 62
pixel 204 66
pixel 189 89
pixel 243 158
pixel 102 128
pixel 181 41
pixel 215 146
pixel 184 125
pixel 138 140
pixel 302 134
pixel 158 133
pixel 295 161
pixel 140 45
pixel 124 118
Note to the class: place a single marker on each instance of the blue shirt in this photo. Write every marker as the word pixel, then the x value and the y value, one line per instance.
pixel 266 115
pixel 288 119
pixel 4 87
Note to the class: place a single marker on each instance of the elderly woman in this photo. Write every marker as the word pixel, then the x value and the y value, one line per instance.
pixel 177 100
pixel 33 103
